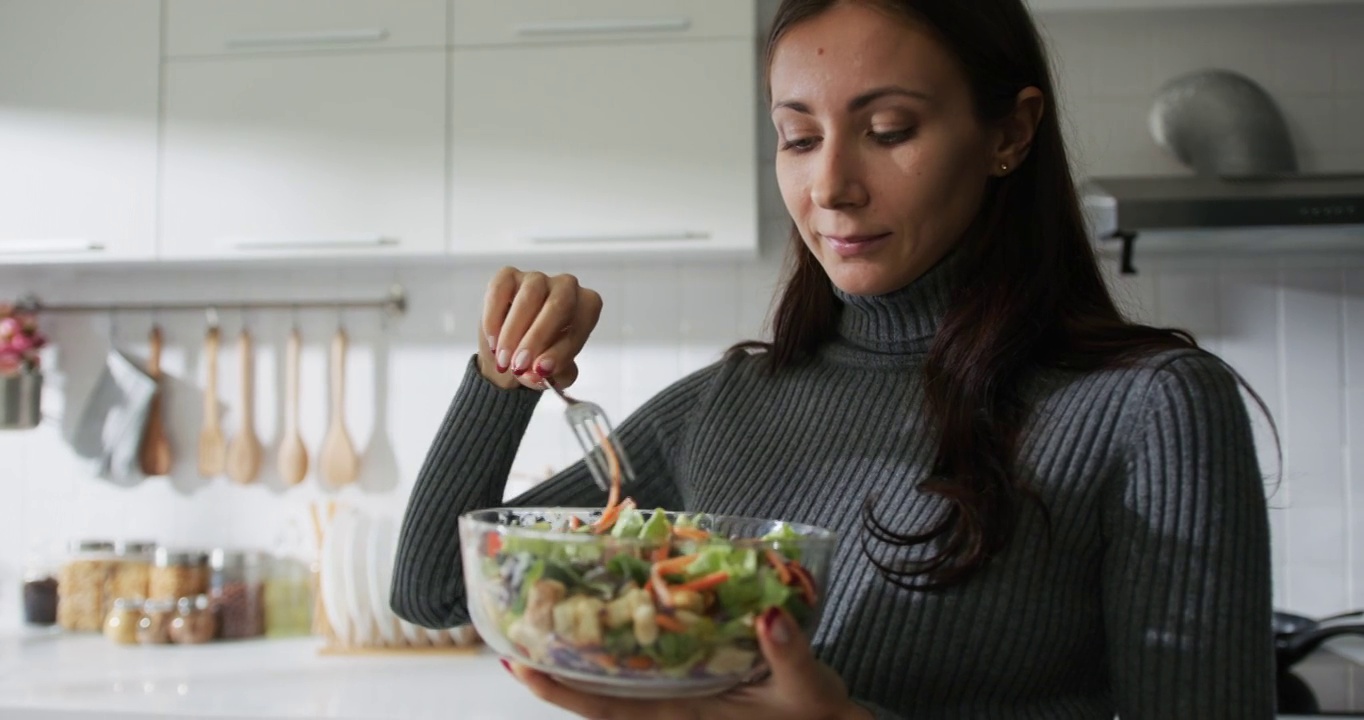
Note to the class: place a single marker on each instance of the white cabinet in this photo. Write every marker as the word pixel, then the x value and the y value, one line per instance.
pixel 228 27
pixel 78 114
pixel 304 155
pixel 596 148
pixel 480 22
pixel 1060 5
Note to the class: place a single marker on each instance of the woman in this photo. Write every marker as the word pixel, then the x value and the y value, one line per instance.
pixel 1046 511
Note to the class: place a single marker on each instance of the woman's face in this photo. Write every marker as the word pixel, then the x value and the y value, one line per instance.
pixel 881 160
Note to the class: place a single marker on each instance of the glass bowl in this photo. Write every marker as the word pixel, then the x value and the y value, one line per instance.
pixel 546 591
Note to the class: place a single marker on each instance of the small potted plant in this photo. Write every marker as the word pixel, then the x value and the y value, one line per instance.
pixel 21 379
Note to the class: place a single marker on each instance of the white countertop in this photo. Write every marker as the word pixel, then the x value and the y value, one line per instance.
pixel 64 677
pixel 47 676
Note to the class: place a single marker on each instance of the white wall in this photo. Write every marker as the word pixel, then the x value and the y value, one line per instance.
pixel 1296 335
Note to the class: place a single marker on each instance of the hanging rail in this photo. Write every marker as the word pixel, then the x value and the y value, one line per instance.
pixel 394 303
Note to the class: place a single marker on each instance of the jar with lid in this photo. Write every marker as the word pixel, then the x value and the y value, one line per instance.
pixel 177 574
pixel 193 622
pixel 131 576
pixel 289 598
pixel 40 592
pixel 237 590
pixel 121 623
pixel 154 627
pixel 83 592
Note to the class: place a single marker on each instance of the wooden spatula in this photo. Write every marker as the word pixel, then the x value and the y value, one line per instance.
pixel 155 455
pixel 338 463
pixel 293 456
pixel 243 453
pixel 212 446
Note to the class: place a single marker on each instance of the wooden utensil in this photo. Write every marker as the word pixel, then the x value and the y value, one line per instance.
pixel 212 446
pixel 338 463
pixel 243 453
pixel 293 456
pixel 155 455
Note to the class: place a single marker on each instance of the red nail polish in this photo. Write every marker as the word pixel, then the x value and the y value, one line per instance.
pixel 519 373
pixel 506 665
pixel 501 368
pixel 544 368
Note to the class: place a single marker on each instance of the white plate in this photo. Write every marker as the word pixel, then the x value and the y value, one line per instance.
pixel 416 637
pixel 333 579
pixel 357 581
pixel 381 548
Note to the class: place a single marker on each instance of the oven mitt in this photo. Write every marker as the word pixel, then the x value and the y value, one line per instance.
pixel 109 432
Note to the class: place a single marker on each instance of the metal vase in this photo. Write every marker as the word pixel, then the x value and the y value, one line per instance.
pixel 20 398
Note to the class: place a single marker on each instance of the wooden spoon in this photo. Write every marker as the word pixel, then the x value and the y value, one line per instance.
pixel 155 454
pixel 243 453
pixel 212 446
pixel 293 456
pixel 338 463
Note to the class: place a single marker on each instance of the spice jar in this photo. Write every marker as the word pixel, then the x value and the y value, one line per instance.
pixel 154 627
pixel 121 623
pixel 82 587
pixel 131 575
pixel 193 622
pixel 40 594
pixel 237 590
pixel 178 573
pixel 288 598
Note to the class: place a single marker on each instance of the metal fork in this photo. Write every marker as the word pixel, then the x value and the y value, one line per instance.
pixel 589 424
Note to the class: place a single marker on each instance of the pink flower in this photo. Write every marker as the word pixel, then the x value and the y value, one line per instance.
pixel 10 363
pixel 9 327
pixel 21 343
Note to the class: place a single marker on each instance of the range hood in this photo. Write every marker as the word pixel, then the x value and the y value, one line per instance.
pixel 1209 214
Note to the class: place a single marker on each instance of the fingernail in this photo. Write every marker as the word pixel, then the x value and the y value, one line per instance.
pixel 545 367
pixel 506 665
pixel 522 362
pixel 776 626
pixel 492 343
pixel 503 359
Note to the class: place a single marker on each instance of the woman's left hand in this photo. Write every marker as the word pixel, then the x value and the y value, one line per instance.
pixel 798 688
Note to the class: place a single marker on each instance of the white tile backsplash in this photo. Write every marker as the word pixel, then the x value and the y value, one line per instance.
pixel 1296 337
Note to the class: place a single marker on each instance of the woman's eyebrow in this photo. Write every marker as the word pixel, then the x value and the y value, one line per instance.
pixel 861 101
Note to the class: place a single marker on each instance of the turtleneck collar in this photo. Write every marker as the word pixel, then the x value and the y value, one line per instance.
pixel 903 321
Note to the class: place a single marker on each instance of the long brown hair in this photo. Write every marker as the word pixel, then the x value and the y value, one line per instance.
pixel 1035 299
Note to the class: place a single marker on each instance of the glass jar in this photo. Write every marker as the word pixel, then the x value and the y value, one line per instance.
pixel 237 590
pixel 193 622
pixel 177 574
pixel 154 627
pixel 131 575
pixel 40 594
pixel 83 593
pixel 288 598
pixel 121 623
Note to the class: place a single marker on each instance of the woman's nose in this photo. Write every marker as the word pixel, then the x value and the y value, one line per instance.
pixel 837 179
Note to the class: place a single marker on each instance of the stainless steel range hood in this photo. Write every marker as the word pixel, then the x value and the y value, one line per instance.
pixel 1205 214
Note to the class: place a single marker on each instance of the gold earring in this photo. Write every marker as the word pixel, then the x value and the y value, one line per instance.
pixel 1004 167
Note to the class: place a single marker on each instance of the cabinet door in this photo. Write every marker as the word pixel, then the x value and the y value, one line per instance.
pixel 598 149
pixel 479 22
pixel 306 155
pixel 78 97
pixel 230 27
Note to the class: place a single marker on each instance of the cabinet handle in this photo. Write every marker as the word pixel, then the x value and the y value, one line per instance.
pixel 606 25
pixel 43 247
pixel 311 243
pixel 313 37
pixel 602 239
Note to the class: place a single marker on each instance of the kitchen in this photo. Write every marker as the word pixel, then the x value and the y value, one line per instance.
pixel 202 175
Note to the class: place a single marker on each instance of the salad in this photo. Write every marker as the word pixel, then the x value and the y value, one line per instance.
pixel 673 599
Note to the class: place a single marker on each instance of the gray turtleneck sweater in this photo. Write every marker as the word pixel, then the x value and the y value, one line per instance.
pixel 1152 599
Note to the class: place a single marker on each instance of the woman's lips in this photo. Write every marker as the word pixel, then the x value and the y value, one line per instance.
pixel 851 245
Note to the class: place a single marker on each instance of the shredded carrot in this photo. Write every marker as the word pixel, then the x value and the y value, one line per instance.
pixel 807 583
pixel 705 582
pixel 494 544
pixel 783 573
pixel 613 497
pixel 574 522
pixel 669 623
pixel 659 554
pixel 639 662
pixel 687 533
pixel 674 565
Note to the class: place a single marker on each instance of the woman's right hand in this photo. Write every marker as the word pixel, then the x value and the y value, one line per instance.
pixel 534 326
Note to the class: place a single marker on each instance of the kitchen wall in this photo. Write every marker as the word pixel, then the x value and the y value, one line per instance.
pixel 1296 334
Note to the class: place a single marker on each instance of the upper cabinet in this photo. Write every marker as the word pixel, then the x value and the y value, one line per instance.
pixel 1046 5
pixel 306 129
pixel 78 122
pixel 603 126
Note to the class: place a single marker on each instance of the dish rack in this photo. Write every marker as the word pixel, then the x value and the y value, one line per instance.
pixel 354 573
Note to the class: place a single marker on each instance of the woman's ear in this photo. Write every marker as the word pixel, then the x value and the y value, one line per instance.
pixel 1016 131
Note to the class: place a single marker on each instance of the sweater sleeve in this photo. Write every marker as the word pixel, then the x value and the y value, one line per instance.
pixel 467 467
pixel 1186 569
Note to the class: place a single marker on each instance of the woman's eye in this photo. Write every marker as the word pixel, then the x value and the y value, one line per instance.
pixel 799 144
pixel 892 137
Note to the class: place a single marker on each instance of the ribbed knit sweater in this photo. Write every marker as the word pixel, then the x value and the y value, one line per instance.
pixel 1151 599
